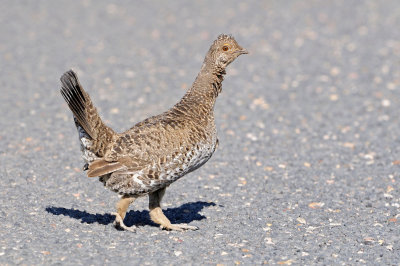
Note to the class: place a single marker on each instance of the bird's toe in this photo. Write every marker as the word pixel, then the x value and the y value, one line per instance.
pixel 179 227
pixel 119 224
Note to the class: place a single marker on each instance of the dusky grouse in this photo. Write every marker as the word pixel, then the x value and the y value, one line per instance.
pixel 152 154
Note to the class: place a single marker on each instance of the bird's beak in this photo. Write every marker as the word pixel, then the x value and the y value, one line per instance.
pixel 242 51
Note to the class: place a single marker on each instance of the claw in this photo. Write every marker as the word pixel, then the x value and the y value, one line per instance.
pixel 179 227
pixel 119 224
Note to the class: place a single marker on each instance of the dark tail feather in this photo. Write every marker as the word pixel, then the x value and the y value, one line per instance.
pixel 77 100
pixel 87 119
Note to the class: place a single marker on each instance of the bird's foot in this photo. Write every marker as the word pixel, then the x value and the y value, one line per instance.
pixel 178 227
pixel 119 224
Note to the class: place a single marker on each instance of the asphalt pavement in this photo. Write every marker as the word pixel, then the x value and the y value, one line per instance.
pixel 308 165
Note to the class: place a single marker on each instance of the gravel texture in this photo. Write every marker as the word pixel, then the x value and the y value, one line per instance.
pixel 308 166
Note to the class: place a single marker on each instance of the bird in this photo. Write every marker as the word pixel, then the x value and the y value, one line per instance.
pixel 151 155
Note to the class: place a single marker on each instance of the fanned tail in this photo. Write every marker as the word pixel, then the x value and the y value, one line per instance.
pixel 93 133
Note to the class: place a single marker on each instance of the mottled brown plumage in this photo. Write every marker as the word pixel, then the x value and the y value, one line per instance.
pixel 159 150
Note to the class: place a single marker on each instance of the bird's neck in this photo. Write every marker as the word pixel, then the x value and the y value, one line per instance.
pixel 200 98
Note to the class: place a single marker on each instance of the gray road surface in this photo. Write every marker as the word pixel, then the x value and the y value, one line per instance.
pixel 308 167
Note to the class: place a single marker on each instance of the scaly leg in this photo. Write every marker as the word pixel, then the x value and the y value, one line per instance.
pixel 122 207
pixel 157 215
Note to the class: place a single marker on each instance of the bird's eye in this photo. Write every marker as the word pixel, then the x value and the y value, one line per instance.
pixel 225 47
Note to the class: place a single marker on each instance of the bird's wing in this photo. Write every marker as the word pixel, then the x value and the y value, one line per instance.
pixel 102 167
pixel 137 149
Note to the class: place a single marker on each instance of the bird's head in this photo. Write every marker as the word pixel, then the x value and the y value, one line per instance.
pixel 223 51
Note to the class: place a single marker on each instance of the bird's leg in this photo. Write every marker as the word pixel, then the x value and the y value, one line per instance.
pixel 157 215
pixel 122 207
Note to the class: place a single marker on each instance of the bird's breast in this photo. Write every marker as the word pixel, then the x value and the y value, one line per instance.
pixel 189 159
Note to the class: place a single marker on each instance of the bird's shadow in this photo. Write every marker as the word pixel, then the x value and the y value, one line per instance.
pixel 186 213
